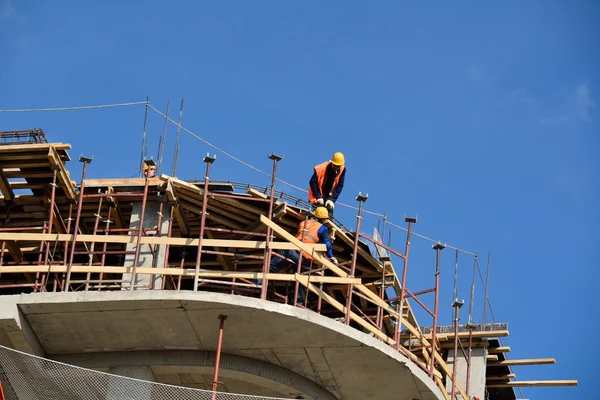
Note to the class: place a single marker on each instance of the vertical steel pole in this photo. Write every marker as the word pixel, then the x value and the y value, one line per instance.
pixel 176 153
pixel 161 150
pixel 487 281
pixel 167 248
pixel 438 248
pixel 299 264
pixel 144 138
pixel 215 382
pixel 267 260
pixel 85 161
pixel 398 327
pixel 50 222
pixel 469 361
pixel 208 160
pixel 93 246
pixel 456 305
pixel 103 258
pixel 361 200
pixel 138 246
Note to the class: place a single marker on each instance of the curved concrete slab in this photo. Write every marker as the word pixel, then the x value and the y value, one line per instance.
pixel 346 362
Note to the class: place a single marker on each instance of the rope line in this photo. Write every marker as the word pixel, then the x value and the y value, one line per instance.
pixel 135 103
pixel 294 186
pixel 376 214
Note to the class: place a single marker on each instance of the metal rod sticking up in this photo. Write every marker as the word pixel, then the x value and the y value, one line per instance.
pixel 215 382
pixel 361 200
pixel 161 146
pixel 176 154
pixel 398 326
pixel 144 137
pixel 456 306
pixel 208 160
pixel 438 248
pixel 267 261
pixel 85 161
pixel 487 281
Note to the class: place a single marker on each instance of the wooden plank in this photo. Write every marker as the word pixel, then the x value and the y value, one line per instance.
pixel 64 180
pixel 465 335
pixel 27 174
pixel 189 272
pixel 533 361
pixel 502 349
pixel 14 250
pixel 121 182
pixel 226 261
pixel 17 148
pixel 491 357
pixel 236 244
pixel 6 189
pixel 533 384
pixel 500 377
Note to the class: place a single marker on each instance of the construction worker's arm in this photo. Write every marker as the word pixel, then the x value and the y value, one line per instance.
pixel 338 189
pixel 314 186
pixel 324 238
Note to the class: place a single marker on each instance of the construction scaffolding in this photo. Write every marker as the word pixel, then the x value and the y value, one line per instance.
pixel 163 233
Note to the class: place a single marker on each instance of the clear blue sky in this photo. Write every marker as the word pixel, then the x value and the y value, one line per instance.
pixel 480 118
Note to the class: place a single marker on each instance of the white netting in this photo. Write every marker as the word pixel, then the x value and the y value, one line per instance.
pixel 27 377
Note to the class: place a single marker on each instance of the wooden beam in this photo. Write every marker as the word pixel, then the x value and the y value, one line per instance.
pixel 189 272
pixel 502 349
pixel 236 244
pixel 63 178
pixel 18 148
pixel 465 335
pixel 500 377
pixel 14 250
pixel 121 182
pixel 491 357
pixel 533 361
pixel 533 384
pixel 7 192
pixel 225 261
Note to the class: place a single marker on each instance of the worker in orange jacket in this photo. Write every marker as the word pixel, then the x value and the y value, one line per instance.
pixel 310 231
pixel 327 182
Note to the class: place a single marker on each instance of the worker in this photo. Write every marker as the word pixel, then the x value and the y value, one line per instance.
pixel 310 231
pixel 327 182
pixel 149 168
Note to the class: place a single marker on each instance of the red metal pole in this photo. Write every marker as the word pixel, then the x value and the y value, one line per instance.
pixel 139 236
pixel 361 199
pixel 85 162
pixel 166 263
pixel 469 361
pixel 267 261
pixel 215 382
pixel 398 327
pixel 103 258
pixel 457 305
pixel 95 231
pixel 438 248
pixel 299 265
pixel 39 261
pixel 50 222
pixel 208 160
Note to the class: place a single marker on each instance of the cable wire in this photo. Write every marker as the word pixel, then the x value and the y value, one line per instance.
pixel 135 103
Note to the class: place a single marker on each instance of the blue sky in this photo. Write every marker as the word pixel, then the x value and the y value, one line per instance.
pixel 482 119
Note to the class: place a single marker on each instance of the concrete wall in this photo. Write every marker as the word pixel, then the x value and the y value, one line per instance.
pixel 151 217
pixel 478 366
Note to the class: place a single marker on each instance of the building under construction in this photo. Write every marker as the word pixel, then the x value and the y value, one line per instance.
pixel 168 281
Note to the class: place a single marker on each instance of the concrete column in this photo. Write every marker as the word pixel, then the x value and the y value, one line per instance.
pixel 119 388
pixel 478 365
pixel 145 259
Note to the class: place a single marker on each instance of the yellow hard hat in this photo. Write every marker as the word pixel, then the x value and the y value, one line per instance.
pixel 321 213
pixel 145 168
pixel 338 159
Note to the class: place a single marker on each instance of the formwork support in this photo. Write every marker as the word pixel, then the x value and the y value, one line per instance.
pixel 85 161
pixel 438 248
pixel 215 382
pixel 139 236
pixel 361 200
pixel 267 261
pixel 208 160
